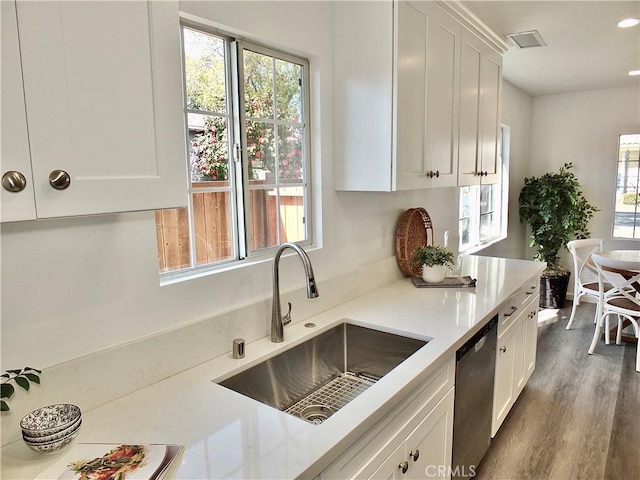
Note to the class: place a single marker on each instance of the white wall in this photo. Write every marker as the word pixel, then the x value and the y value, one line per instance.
pixel 74 286
pixel 583 128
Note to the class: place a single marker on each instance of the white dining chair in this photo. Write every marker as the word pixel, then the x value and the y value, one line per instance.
pixel 623 299
pixel 585 276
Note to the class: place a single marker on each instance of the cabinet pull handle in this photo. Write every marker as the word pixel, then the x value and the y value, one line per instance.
pixel 404 466
pixel 14 181
pixel 59 179
pixel 513 310
pixel 503 349
pixel 415 455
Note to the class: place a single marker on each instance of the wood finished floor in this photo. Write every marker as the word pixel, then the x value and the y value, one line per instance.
pixel 579 415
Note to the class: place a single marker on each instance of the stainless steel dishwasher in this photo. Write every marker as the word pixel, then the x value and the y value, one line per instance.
pixel 475 371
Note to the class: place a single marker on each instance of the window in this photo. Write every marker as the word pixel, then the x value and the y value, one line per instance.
pixel 482 217
pixel 626 218
pixel 246 114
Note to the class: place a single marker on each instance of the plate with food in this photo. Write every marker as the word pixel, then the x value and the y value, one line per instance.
pixel 116 462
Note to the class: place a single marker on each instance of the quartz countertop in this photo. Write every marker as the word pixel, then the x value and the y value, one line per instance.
pixel 228 435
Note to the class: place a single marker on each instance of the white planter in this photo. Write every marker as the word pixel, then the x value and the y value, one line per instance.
pixel 434 274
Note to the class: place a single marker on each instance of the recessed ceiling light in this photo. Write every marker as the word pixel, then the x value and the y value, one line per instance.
pixel 634 72
pixel 628 22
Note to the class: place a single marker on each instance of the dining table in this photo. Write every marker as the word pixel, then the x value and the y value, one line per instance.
pixel 633 256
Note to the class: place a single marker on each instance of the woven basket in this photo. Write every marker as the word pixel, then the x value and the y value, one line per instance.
pixel 414 229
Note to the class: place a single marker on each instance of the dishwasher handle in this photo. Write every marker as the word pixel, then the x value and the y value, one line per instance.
pixel 477 341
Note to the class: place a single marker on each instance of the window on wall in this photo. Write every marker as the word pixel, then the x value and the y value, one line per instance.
pixel 626 218
pixel 482 217
pixel 246 111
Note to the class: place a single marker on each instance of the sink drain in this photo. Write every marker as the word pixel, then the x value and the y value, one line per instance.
pixel 316 413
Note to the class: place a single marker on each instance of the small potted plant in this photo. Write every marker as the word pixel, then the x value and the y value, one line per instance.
pixel 435 261
pixel 557 211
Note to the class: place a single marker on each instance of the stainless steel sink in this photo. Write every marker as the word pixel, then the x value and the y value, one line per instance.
pixel 316 378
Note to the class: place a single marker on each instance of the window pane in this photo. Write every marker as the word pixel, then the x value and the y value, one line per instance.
pixel 290 153
pixel 212 227
pixel 261 151
pixel 172 235
pixel 265 222
pixel 288 91
pixel 487 199
pixel 292 214
pixel 204 65
pixel 208 149
pixel 626 214
pixel 488 227
pixel 258 85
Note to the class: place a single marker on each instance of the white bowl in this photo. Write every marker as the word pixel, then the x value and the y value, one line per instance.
pixel 56 436
pixel 49 420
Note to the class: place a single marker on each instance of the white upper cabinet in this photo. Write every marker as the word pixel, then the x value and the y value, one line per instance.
pixel 397 88
pixel 103 97
pixel 17 192
pixel 480 106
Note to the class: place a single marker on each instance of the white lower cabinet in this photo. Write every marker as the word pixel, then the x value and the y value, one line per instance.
pixel 426 453
pixel 415 436
pixel 516 353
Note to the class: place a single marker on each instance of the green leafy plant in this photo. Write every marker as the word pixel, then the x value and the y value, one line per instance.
pixel 21 378
pixel 432 255
pixel 557 211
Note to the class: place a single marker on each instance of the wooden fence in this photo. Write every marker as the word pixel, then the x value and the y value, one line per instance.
pixel 213 228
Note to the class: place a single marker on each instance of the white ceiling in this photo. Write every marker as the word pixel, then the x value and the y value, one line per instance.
pixel 585 48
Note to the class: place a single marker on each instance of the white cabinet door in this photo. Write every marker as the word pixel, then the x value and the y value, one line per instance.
pixel 480 94
pixel 505 378
pixel 16 160
pixel 103 97
pixel 530 338
pixel 429 447
pixel 427 99
pixel 426 452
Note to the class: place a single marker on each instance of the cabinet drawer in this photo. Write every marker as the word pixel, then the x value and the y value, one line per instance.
pixel 517 302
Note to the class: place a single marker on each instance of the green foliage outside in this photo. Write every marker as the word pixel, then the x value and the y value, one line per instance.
pixel 557 211
pixel 631 198
pixel 272 91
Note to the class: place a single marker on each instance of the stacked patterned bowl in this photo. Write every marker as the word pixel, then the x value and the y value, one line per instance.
pixel 50 429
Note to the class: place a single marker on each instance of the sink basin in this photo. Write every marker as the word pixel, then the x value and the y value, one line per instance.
pixel 315 379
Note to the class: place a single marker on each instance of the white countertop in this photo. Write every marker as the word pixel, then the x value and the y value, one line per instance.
pixel 228 435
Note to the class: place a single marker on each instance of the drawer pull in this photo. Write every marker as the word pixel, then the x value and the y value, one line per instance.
pixel 513 310
pixel 503 349
pixel 404 466
pixel 415 455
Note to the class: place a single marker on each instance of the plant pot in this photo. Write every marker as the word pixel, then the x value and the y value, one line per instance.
pixel 553 291
pixel 434 274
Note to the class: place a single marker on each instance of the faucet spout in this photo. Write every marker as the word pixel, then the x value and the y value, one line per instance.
pixel 277 320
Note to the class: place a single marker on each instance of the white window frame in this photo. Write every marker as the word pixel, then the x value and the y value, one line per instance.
pixel 636 228
pixel 502 206
pixel 238 159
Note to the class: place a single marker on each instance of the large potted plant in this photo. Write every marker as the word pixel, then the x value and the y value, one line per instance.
pixel 557 211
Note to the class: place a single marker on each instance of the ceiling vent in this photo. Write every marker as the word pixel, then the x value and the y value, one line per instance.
pixel 526 39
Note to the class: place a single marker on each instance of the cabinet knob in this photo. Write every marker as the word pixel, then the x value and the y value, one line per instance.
pixel 404 466
pixel 503 349
pixel 415 455
pixel 14 181
pixel 437 173
pixel 59 179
